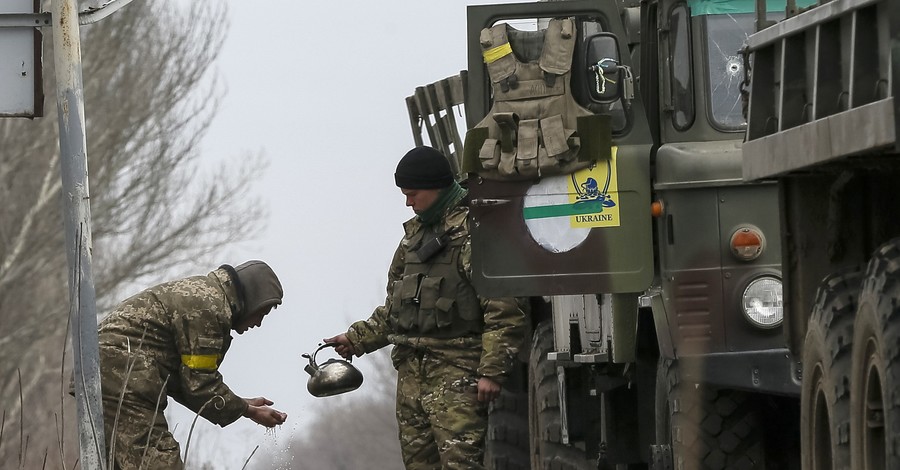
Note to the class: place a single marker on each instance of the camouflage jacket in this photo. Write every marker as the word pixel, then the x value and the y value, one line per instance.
pixel 184 328
pixel 489 354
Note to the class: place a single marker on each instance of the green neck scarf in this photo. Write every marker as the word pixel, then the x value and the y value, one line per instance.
pixel 448 198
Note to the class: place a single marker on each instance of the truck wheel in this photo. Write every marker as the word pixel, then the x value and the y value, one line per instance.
pixel 547 449
pixel 710 429
pixel 661 451
pixel 506 446
pixel 824 396
pixel 874 412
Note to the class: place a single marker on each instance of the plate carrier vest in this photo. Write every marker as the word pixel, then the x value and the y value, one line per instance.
pixel 432 298
pixel 535 127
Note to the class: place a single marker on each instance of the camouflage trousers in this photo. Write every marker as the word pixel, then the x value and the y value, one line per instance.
pixel 442 423
pixel 136 429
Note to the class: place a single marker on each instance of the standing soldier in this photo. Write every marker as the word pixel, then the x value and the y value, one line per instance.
pixel 170 340
pixel 452 349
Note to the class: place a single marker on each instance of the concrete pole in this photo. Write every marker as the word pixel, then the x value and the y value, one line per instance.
pixel 77 215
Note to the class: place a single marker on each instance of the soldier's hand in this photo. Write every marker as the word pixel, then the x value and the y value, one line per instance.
pixel 488 390
pixel 260 413
pixel 343 346
pixel 259 401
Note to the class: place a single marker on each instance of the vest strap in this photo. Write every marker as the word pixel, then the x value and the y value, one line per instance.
pixel 527 154
pixel 495 44
pixel 559 46
pixel 550 79
pixel 509 123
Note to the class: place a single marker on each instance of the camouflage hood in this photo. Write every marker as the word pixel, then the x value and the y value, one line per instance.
pixel 257 286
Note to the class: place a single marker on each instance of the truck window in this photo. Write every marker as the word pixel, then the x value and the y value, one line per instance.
pixel 682 85
pixel 727 26
pixel 726 35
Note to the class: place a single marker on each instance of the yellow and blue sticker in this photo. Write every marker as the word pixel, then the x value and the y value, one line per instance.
pixel 593 198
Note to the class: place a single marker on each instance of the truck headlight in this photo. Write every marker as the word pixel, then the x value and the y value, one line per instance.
pixel 762 302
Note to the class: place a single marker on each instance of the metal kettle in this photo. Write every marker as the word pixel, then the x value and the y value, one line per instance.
pixel 334 377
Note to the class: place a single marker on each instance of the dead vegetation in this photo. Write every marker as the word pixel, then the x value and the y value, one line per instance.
pixel 149 98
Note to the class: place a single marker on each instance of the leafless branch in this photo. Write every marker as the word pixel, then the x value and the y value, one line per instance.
pixel 61 424
pixel 219 404
pixel 250 457
pixel 162 393
pixel 60 444
pixel 2 425
pixel 21 422
pixel 150 96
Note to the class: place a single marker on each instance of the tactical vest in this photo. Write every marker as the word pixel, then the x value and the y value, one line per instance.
pixel 535 127
pixel 432 298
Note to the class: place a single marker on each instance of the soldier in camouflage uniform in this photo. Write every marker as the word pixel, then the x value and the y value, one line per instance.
pixel 452 348
pixel 170 340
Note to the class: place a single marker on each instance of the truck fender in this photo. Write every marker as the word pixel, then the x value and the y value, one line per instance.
pixel 661 324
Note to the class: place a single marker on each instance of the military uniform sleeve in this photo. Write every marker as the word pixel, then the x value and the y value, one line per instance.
pixel 371 334
pixel 202 337
pixel 504 328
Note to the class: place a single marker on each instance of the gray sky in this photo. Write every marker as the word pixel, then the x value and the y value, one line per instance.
pixel 319 88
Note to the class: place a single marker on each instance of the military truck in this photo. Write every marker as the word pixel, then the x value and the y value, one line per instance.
pixel 655 266
pixel 822 122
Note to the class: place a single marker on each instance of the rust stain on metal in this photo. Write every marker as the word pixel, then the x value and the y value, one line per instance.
pixel 64 15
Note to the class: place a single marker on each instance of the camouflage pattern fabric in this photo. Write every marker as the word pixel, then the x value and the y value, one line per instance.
pixel 166 340
pixel 426 400
pixel 136 430
pixel 442 423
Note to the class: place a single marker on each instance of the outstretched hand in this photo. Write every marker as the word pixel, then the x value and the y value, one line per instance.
pixel 342 345
pixel 258 410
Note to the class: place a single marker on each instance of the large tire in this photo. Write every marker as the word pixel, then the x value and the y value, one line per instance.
pixel 825 395
pixel 507 434
pixel 874 405
pixel 711 429
pixel 662 458
pixel 548 452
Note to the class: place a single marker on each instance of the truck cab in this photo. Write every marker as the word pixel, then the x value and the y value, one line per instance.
pixel 663 309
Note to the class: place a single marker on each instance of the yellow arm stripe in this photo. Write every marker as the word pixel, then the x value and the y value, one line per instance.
pixel 496 53
pixel 206 361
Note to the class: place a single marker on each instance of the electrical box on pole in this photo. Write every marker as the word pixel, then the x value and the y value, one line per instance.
pixel 20 60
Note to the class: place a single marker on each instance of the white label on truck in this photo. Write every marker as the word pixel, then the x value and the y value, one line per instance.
pixel 560 211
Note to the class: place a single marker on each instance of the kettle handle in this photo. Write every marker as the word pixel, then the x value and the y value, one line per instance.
pixel 312 359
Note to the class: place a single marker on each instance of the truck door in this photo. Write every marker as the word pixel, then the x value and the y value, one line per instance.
pixel 580 233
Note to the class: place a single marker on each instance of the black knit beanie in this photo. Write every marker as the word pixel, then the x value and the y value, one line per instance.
pixel 423 168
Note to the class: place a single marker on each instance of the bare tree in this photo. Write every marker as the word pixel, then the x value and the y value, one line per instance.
pixel 149 99
pixel 349 432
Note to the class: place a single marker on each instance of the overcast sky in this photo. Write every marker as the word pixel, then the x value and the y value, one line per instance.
pixel 318 88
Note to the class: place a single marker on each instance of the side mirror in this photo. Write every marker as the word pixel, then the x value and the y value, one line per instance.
pixel 603 72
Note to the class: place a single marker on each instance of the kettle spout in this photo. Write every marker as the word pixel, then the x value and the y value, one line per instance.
pixel 310 368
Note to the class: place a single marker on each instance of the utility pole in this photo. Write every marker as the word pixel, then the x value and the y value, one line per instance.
pixel 77 215
pixel 65 18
